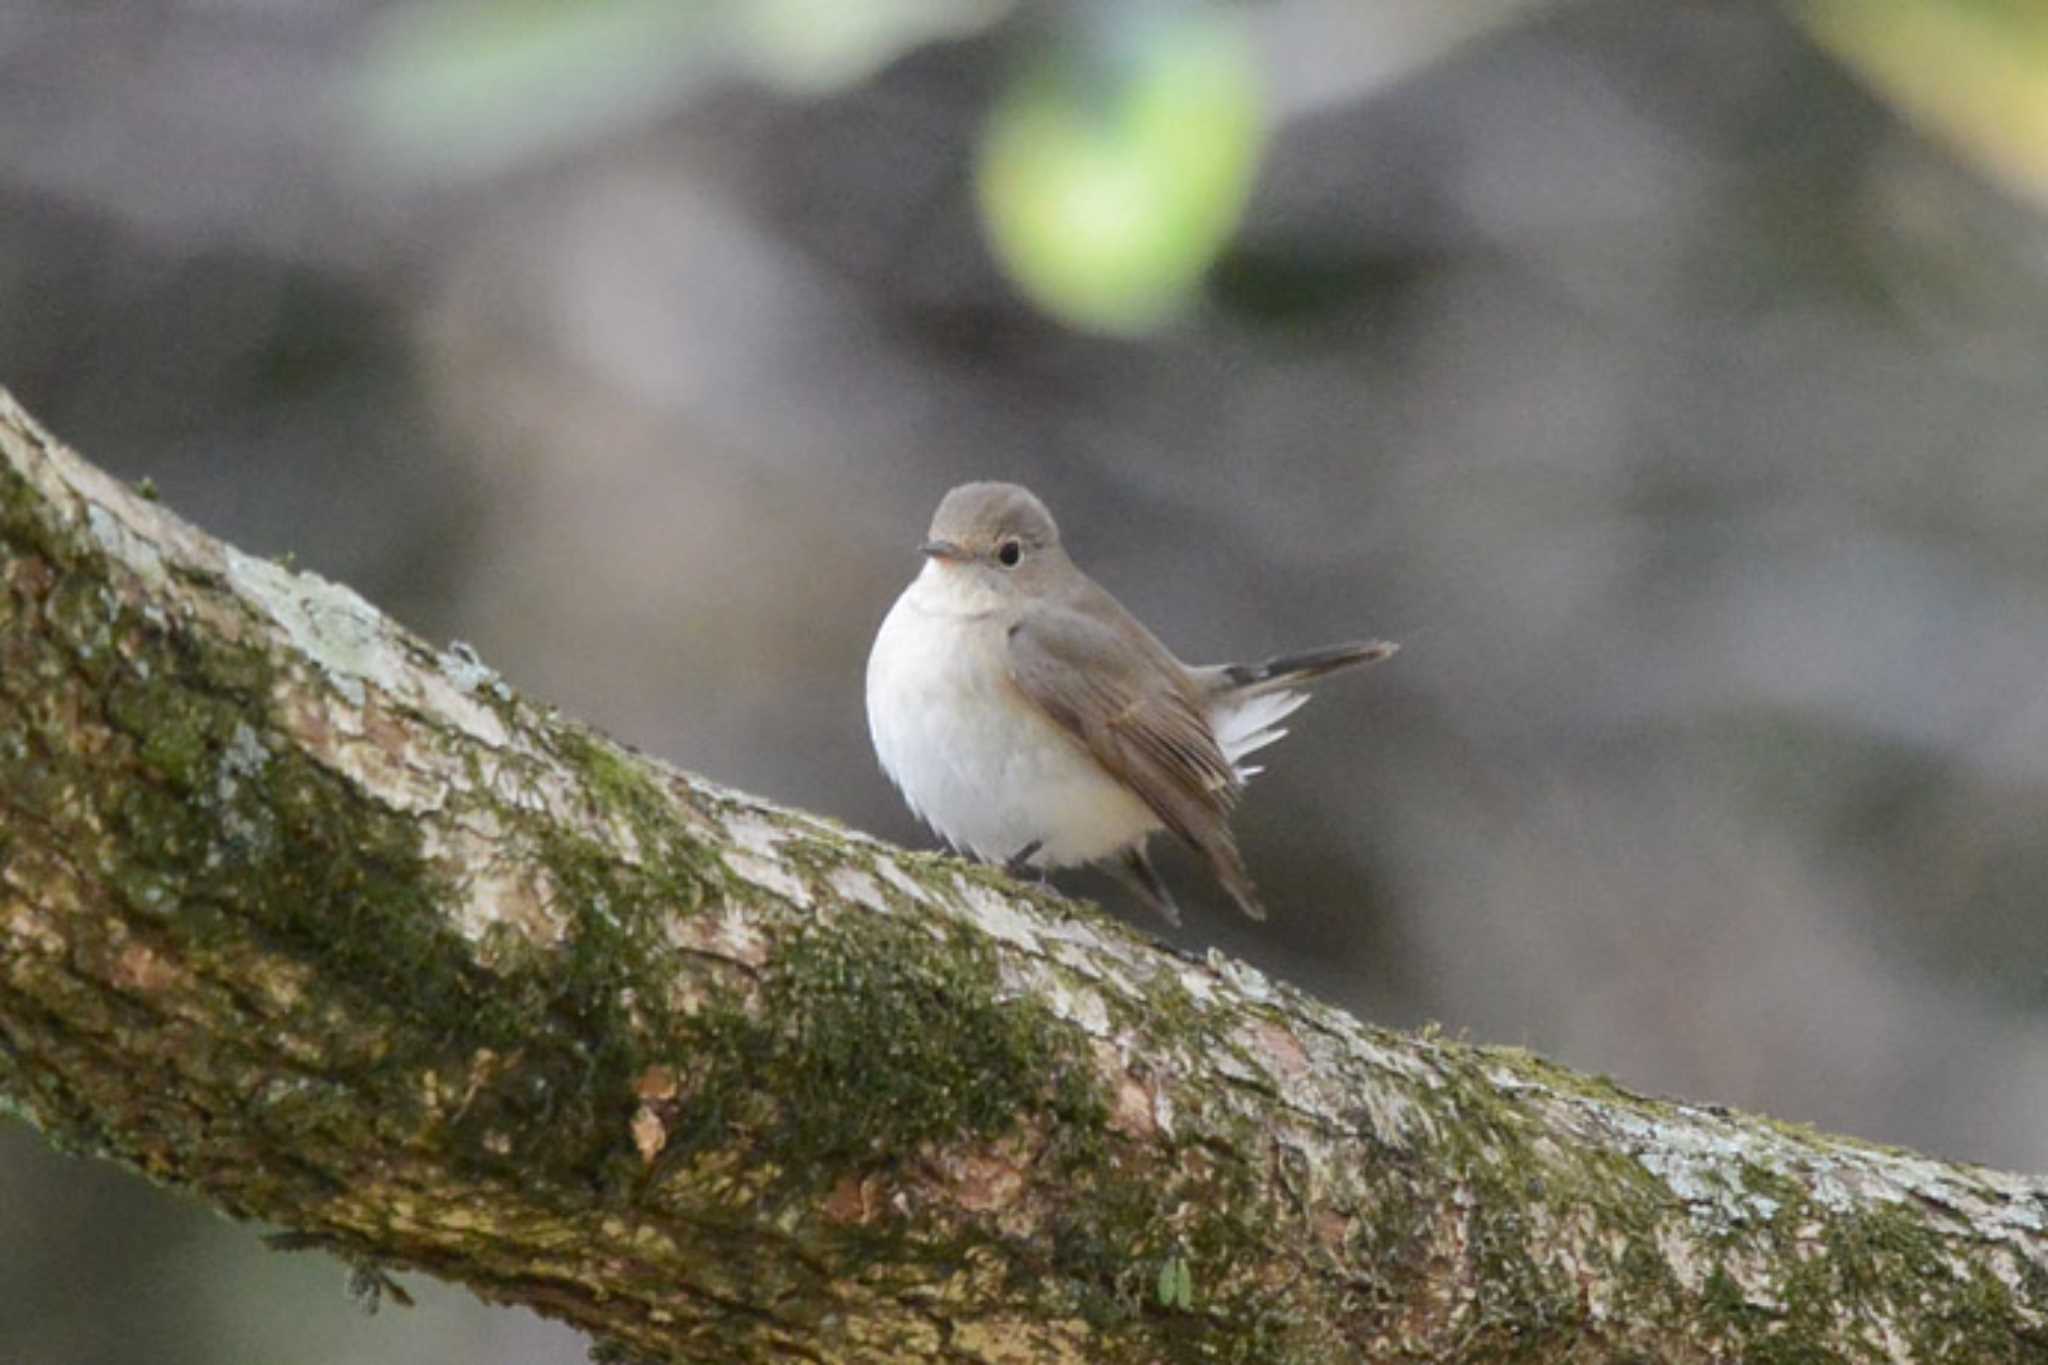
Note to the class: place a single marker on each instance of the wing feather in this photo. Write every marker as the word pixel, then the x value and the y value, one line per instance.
pixel 1142 721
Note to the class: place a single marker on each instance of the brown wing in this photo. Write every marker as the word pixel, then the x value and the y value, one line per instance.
pixel 1139 720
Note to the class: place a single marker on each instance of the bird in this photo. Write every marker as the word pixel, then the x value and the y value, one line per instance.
pixel 1033 722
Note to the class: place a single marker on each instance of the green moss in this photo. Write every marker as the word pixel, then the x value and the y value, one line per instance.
pixel 616 786
pixel 1105 1244
pixel 1837 1273
pixel 1890 1257
pixel 869 1039
pixel 180 733
pixel 672 868
pixel 84 612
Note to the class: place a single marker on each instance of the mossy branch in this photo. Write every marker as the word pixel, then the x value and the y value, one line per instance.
pixel 334 930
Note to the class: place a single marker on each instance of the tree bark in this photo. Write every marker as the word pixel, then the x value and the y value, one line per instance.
pixel 335 930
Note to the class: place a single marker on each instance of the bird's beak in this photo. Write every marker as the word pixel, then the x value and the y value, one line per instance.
pixel 941 549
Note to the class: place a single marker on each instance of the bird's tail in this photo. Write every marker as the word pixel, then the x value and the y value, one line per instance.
pixel 1247 702
pixel 1295 670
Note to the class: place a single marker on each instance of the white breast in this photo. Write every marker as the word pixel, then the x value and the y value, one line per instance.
pixel 979 763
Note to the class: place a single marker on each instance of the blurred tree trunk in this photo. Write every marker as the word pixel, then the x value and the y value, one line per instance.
pixel 336 931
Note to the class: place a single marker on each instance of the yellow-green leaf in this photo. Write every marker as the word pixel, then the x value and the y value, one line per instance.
pixel 1116 166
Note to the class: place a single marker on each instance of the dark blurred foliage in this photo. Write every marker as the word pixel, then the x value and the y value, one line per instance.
pixel 1675 402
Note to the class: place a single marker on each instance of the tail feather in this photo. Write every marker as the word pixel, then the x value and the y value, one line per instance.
pixel 1247 702
pixel 1245 705
pixel 1244 723
pixel 1292 670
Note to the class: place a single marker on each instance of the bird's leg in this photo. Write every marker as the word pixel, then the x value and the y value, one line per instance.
pixel 1019 865
pixel 1144 879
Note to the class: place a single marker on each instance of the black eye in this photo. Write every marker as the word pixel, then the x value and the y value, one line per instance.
pixel 1009 552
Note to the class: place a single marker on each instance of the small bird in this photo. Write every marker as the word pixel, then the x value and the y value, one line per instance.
pixel 1032 721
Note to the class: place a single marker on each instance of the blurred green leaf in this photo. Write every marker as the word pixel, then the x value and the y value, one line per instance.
pixel 1116 166
pixel 1974 72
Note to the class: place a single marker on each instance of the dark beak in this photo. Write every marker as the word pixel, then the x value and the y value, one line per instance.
pixel 941 549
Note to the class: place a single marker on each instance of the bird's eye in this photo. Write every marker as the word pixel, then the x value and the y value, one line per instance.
pixel 1009 552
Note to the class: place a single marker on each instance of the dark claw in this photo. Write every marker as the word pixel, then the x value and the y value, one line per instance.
pixel 1019 865
pixel 1145 881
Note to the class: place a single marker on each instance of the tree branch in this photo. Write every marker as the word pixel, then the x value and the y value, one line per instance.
pixel 335 930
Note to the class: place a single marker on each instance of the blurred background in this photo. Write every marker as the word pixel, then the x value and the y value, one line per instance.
pixel 1668 378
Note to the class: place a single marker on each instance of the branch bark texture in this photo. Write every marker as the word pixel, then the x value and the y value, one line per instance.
pixel 333 929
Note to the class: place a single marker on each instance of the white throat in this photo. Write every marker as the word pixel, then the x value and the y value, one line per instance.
pixel 943 589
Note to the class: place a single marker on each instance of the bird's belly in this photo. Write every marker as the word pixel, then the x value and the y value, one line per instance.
pixel 982 765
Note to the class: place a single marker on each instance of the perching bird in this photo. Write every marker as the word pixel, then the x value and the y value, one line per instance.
pixel 1032 721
